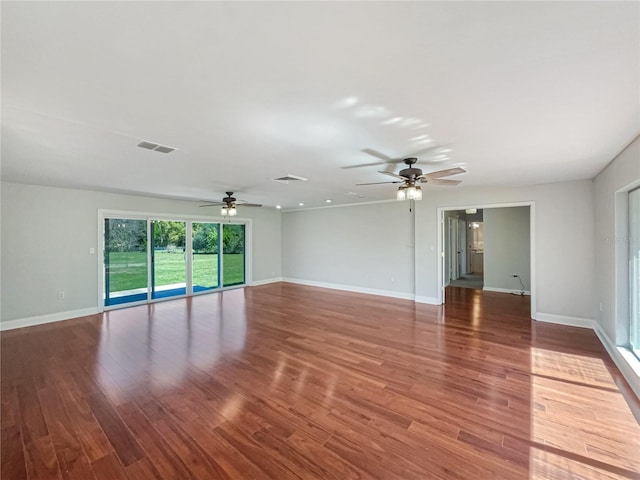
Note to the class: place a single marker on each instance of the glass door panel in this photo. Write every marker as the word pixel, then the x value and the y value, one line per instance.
pixel 206 262
pixel 233 239
pixel 634 270
pixel 168 259
pixel 125 261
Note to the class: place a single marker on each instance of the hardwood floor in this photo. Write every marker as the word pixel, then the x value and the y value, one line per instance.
pixel 285 382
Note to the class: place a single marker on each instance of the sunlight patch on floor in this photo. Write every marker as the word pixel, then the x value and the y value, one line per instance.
pixel 570 391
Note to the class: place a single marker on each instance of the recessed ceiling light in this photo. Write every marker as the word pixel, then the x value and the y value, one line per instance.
pixel 328 200
pixel 301 204
pixel 278 207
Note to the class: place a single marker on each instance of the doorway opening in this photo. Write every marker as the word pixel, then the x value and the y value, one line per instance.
pixel 488 247
pixel 464 248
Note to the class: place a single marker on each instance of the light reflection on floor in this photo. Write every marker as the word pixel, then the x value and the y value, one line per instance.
pixel 133 355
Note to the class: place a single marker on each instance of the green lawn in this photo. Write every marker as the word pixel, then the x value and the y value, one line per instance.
pixel 129 269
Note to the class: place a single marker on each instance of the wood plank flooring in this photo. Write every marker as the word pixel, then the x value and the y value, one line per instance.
pixel 291 382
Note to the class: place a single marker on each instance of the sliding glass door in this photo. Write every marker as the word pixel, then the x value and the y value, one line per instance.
pixel 149 259
pixel 125 261
pixel 233 261
pixel 168 259
pixel 634 270
pixel 206 261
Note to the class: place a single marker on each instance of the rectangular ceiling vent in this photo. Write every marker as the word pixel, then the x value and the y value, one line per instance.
pixel 156 147
pixel 290 177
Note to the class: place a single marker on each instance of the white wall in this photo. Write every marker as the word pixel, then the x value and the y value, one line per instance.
pixel 563 240
pixel 610 233
pixel 506 248
pixel 364 246
pixel 47 233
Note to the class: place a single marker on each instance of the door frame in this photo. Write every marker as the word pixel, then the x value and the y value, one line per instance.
pixel 188 219
pixel 532 244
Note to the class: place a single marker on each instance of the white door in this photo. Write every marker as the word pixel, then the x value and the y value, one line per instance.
pixel 453 248
pixel 462 247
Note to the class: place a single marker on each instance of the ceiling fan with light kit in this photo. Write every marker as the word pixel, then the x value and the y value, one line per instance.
pixel 411 177
pixel 229 204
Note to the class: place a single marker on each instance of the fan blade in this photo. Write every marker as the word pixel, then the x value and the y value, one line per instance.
pixel 218 204
pixel 375 153
pixel 394 175
pixel 360 165
pixel 442 173
pixel 374 183
pixel 442 181
pixel 244 203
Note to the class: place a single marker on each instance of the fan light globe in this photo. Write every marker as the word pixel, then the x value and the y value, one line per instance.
pixel 402 193
pixel 224 211
pixel 414 193
pixel 232 211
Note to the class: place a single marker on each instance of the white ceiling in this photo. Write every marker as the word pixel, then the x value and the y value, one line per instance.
pixel 521 92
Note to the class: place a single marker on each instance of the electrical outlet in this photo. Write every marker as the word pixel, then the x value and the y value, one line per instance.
pixel 60 295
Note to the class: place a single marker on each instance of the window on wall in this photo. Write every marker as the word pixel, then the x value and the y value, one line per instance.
pixel 634 271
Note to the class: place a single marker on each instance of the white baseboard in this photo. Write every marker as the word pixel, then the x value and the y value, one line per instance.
pixel 428 300
pixel 566 320
pixel 266 281
pixel 618 355
pixel 505 290
pixel 351 288
pixel 51 317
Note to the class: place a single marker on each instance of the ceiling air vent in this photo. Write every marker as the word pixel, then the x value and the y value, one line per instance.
pixel 155 147
pixel 148 145
pixel 290 177
pixel 164 149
